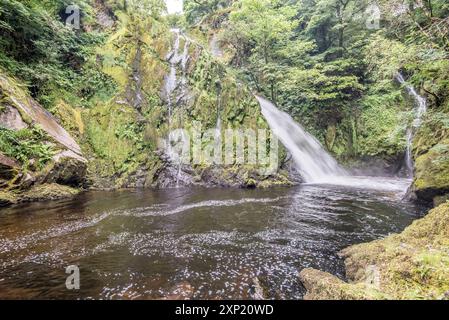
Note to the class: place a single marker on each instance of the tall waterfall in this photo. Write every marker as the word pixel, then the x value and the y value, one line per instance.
pixel 175 89
pixel 314 163
pixel 175 58
pixel 420 109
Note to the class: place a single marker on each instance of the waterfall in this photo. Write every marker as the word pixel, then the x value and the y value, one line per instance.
pixel 170 80
pixel 315 165
pixel 174 59
pixel 176 85
pixel 420 109
pixel 215 48
pixel 313 162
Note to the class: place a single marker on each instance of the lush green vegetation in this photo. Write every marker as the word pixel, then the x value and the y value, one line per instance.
pixel 330 63
pixel 27 144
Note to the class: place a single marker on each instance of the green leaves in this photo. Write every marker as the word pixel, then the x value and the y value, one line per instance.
pixel 26 145
pixel 39 48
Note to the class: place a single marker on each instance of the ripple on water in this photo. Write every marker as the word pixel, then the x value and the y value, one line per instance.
pixel 215 244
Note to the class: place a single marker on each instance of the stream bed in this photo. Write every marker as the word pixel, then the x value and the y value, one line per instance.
pixel 194 243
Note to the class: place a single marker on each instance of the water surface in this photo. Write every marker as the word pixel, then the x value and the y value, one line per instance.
pixel 193 243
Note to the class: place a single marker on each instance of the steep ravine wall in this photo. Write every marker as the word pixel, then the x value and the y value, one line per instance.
pixel 116 141
pixel 39 159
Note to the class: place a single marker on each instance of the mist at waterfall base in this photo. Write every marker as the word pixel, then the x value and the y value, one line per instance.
pixel 315 165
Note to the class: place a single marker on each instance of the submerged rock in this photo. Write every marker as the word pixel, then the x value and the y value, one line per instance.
pixel 411 265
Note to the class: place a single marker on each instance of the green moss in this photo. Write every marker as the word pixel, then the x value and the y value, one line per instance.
pixel 431 152
pixel 48 192
pixel 27 145
pixel 103 131
pixel 7 198
pixel 382 123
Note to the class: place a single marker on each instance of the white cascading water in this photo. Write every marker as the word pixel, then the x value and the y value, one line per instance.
pixel 172 83
pixel 174 58
pixel 314 163
pixel 420 110
pixel 170 80
pixel 215 48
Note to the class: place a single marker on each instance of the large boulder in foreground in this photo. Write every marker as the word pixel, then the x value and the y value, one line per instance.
pixel 411 265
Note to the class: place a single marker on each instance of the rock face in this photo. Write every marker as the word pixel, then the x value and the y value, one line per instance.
pixel 34 113
pixel 19 112
pixel 10 118
pixel 67 168
pixel 431 174
pixel 431 159
pixel 174 83
pixel 8 167
pixel 411 265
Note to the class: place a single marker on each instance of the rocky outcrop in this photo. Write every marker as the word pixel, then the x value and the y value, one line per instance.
pixel 10 118
pixel 46 192
pixel 165 82
pixel 67 168
pixel 431 155
pixel 32 113
pixel 411 265
pixel 19 170
pixel 8 168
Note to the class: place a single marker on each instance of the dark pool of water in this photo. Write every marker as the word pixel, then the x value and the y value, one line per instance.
pixel 195 243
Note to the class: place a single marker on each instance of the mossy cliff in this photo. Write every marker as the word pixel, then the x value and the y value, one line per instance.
pixel 105 129
pixel 411 265
pixel 123 133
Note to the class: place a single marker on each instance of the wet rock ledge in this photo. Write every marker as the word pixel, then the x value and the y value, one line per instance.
pixel 411 265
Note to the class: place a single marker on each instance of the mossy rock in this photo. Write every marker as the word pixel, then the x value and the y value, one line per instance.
pixel 7 198
pixel 432 172
pixel 47 192
pixel 411 265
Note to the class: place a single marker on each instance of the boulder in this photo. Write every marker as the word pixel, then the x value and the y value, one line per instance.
pixel 432 173
pixel 67 168
pixel 7 199
pixel 46 192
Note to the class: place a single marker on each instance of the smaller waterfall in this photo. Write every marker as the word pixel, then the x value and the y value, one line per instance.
pixel 172 83
pixel 215 48
pixel 175 89
pixel 420 110
pixel 171 79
